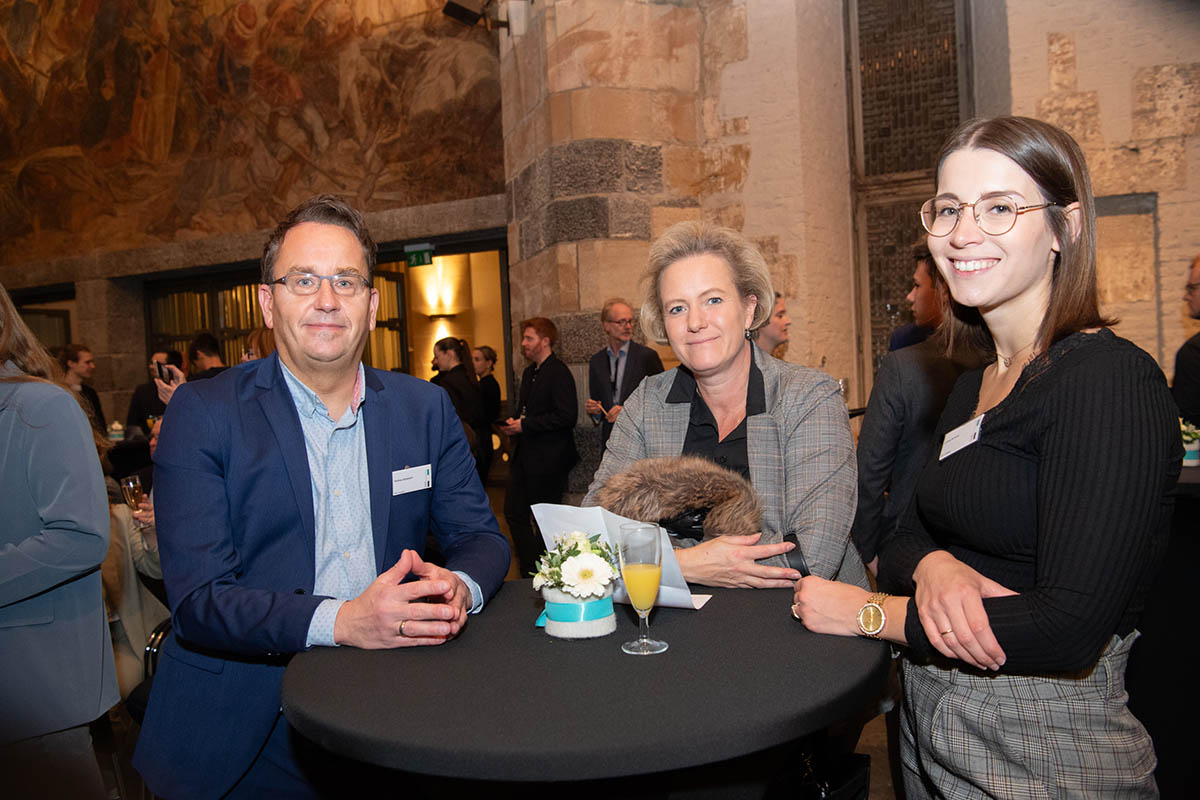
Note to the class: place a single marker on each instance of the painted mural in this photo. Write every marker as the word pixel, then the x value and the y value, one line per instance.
pixel 126 123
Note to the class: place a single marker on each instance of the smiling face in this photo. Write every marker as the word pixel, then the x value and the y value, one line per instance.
pixel 705 318
pixel 322 333
pixel 1008 274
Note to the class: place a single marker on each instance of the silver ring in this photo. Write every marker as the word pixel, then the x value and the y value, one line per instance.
pixel 402 624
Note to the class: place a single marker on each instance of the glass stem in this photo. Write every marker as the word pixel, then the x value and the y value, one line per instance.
pixel 644 627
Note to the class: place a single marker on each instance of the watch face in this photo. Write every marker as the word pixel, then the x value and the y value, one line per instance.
pixel 870 619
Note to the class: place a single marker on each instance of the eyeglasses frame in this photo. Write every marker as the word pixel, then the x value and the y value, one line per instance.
pixel 365 283
pixel 960 206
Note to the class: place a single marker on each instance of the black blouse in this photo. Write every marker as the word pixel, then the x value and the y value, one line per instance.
pixel 703 438
pixel 1065 499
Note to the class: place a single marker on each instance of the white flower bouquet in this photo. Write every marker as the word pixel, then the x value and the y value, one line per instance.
pixel 576 578
pixel 580 565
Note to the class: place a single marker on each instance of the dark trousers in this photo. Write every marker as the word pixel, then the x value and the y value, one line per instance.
pixel 526 488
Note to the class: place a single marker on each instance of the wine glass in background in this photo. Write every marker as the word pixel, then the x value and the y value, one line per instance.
pixel 639 548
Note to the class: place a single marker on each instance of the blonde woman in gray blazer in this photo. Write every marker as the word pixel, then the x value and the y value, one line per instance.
pixel 703 285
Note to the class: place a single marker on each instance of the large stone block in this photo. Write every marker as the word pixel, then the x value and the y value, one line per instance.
pixel 589 166
pixel 725 39
pixel 1125 258
pixel 531 188
pixel 730 215
pixel 1061 60
pixel 611 268
pixel 1078 113
pixel 579 218
pixel 528 139
pixel 628 217
pixel 1142 166
pixel 683 168
pixel 600 112
pixel 643 168
pixel 579 336
pixel 533 233
pixel 1166 101
pixel 626 44
pixel 663 217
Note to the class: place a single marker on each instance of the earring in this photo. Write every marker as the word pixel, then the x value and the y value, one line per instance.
pixel 749 336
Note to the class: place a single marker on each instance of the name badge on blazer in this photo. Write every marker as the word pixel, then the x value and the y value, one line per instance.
pixel 412 479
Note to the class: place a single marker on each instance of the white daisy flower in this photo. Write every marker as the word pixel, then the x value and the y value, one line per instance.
pixel 586 575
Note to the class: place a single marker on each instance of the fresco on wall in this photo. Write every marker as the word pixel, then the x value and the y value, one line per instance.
pixel 125 123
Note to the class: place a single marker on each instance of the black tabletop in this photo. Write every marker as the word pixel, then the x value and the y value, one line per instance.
pixel 506 702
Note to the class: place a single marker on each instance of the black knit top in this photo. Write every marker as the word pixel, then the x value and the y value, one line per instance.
pixel 1065 499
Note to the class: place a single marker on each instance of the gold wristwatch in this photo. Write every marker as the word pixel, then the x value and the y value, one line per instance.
pixel 871 618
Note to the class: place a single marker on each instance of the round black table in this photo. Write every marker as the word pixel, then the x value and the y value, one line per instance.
pixel 506 702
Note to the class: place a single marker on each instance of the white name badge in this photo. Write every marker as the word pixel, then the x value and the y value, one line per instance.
pixel 963 436
pixel 413 479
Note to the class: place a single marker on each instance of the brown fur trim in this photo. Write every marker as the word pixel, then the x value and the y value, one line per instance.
pixel 655 489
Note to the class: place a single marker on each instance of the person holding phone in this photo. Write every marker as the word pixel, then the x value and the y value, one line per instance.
pixel 1021 568
pixel 146 405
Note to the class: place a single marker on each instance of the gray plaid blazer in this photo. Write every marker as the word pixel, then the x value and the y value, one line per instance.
pixel 801 459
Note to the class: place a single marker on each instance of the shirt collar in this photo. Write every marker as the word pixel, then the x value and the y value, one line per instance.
pixel 309 404
pixel 683 389
pixel 622 349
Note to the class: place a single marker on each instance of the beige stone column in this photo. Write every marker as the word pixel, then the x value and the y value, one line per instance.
pixel 111 320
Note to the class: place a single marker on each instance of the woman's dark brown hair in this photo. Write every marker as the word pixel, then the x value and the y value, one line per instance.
pixel 20 346
pixel 1054 161
pixel 461 349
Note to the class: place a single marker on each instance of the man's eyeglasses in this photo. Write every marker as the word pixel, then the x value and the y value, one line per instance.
pixel 995 215
pixel 305 283
pixel 627 322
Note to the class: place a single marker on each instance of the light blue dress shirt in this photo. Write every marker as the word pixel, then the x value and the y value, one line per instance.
pixel 341 490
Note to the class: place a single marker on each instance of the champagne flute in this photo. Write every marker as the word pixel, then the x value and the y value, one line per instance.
pixel 639 549
pixel 131 488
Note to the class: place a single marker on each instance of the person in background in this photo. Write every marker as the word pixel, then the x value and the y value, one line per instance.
pixel 775 333
pixel 204 358
pixel 78 366
pixel 906 401
pixel 543 432
pixel 618 369
pixel 484 360
pixel 56 659
pixel 145 403
pixel 453 375
pixel 781 426
pixel 1185 387
pixel 1021 568
pixel 923 297
pixel 259 344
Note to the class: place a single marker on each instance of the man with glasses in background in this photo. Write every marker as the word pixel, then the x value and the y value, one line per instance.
pixel 616 371
pixel 1186 386
pixel 294 495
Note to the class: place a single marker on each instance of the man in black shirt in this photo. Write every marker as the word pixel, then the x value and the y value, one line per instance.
pixel 543 438
pixel 204 353
pixel 145 402
pixel 1186 387
pixel 78 366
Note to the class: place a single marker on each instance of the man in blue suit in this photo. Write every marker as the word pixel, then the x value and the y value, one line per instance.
pixel 293 498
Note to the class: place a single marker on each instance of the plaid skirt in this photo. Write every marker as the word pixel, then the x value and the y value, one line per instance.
pixel 967 734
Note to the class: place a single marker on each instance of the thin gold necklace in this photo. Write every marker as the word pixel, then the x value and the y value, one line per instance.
pixel 1009 359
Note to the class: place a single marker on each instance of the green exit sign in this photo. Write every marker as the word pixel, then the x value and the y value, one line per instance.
pixel 418 255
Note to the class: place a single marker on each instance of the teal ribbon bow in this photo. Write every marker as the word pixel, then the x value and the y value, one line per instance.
pixel 576 612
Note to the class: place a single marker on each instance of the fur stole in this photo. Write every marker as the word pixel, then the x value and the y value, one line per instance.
pixel 660 489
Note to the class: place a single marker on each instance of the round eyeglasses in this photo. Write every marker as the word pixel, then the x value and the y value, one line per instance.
pixel 304 283
pixel 995 215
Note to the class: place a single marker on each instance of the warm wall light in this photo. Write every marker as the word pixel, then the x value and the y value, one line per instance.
pixel 443 287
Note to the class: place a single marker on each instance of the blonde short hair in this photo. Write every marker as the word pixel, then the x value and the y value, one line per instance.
pixel 751 276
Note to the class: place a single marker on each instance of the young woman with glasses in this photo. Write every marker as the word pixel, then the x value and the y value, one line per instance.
pixel 1022 565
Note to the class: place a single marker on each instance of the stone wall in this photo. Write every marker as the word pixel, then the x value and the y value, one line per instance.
pixel 1123 77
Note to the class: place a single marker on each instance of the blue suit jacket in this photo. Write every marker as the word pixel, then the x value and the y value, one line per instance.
pixel 234 508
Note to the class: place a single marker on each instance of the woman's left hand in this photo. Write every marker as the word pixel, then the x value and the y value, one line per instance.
pixel 828 606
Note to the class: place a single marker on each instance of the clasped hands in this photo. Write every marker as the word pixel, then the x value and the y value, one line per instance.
pixel 429 610
pixel 949 604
